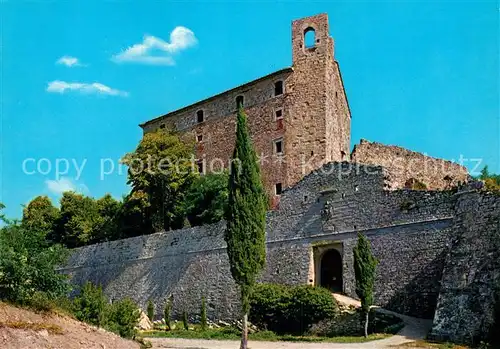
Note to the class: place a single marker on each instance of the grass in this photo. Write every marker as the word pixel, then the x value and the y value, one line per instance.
pixel 35 326
pixel 233 334
pixel 431 345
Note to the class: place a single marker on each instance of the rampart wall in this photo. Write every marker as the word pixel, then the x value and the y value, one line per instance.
pixel 408 231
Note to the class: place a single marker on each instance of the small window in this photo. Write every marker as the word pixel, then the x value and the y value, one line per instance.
pixel 239 102
pixel 278 189
pixel 199 138
pixel 200 117
pixel 162 126
pixel 309 38
pixel 278 146
pixel 278 114
pixel 278 88
pixel 199 163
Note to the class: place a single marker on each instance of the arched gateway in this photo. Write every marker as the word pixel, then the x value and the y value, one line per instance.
pixel 331 270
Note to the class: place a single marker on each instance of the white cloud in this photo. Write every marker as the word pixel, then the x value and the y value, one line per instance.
pixel 181 38
pixel 58 86
pixel 69 61
pixel 59 186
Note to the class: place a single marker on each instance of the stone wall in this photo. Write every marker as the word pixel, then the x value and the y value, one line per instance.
pixel 326 209
pixel 404 166
pixel 465 310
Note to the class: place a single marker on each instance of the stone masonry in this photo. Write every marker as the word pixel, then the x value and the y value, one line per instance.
pixel 405 166
pixel 413 234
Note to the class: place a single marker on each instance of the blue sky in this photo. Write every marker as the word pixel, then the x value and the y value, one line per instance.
pixel 423 75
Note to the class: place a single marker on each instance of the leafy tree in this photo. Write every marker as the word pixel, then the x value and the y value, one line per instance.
pixel 151 310
pixel 203 314
pixel 162 169
pixel 27 265
pixel 364 271
pixel 79 220
pixel 245 216
pixel 2 216
pixel 134 218
pixel 206 199
pixel 109 210
pixel 90 305
pixel 185 320
pixel 491 181
pixel 40 215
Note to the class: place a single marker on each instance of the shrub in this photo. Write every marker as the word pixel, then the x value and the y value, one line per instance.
pixel 123 317
pixel 185 320
pixel 290 309
pixel 203 314
pixel 90 305
pixel 151 310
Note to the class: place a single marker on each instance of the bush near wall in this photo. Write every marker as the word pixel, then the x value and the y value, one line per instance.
pixel 290 309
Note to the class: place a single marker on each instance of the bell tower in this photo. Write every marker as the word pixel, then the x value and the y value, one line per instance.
pixel 318 129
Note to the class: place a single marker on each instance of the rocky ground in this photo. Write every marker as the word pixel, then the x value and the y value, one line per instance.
pixel 24 329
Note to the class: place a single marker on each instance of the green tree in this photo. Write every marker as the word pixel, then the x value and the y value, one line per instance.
pixel 40 215
pixel 28 265
pixel 79 221
pixel 123 317
pixel 151 310
pixel 206 199
pixel 162 169
pixel 109 210
pixel 2 216
pixel 491 181
pixel 167 312
pixel 185 322
pixel 364 270
pixel 246 219
pixel 134 218
pixel 90 305
pixel 203 314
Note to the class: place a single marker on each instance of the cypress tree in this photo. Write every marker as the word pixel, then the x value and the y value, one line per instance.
pixel 167 313
pixel 203 314
pixel 364 271
pixel 151 310
pixel 185 320
pixel 246 219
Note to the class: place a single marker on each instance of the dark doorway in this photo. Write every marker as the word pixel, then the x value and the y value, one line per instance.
pixel 331 271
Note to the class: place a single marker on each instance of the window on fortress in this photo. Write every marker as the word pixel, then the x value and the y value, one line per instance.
pixel 199 163
pixel 278 114
pixel 278 88
pixel 278 146
pixel 239 102
pixel 162 126
pixel 309 38
pixel 200 117
pixel 278 188
pixel 199 138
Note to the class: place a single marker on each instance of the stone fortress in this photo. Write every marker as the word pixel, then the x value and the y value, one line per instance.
pixel 438 249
